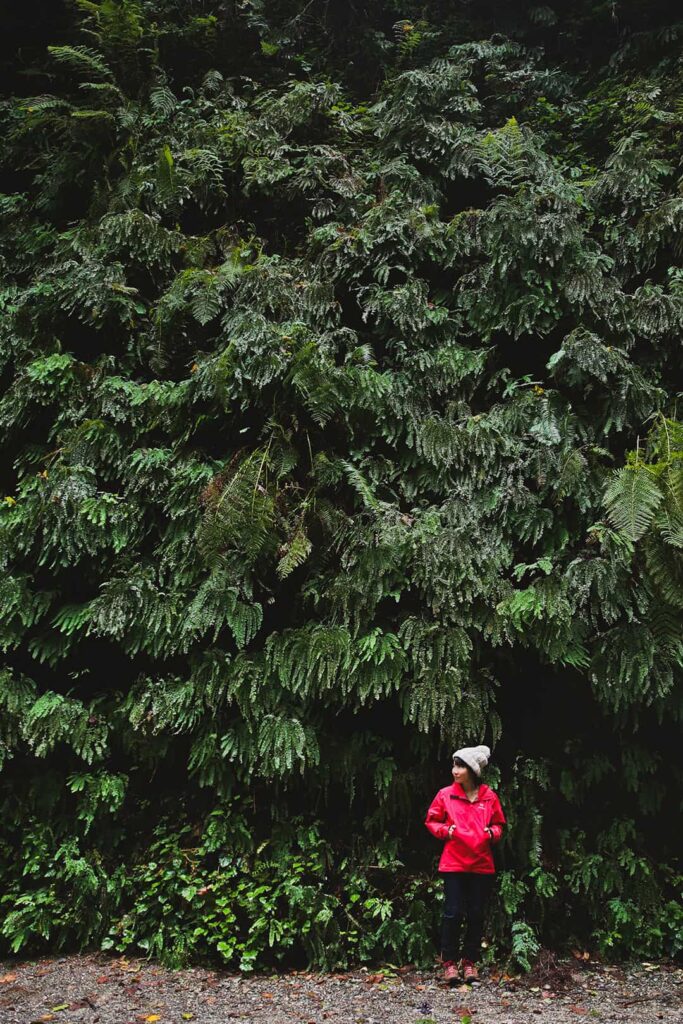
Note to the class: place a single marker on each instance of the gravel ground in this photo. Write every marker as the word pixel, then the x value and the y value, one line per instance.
pixel 96 989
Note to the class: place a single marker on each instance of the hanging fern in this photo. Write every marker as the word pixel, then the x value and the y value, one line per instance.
pixel 632 498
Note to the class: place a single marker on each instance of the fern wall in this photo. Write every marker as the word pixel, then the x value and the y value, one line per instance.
pixel 340 352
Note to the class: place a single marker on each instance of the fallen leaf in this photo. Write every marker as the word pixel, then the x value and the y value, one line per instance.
pixel 578 1009
pixel 188 1016
pixel 7 979
pixel 267 995
pixel 83 1004
pixel 102 980
pixel 62 1006
pixel 152 1017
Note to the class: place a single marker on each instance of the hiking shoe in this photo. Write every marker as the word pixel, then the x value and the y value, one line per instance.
pixel 450 972
pixel 469 971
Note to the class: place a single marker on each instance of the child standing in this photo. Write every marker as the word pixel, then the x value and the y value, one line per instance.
pixel 468 816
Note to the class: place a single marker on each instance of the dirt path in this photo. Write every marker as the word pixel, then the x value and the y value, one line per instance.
pixel 96 989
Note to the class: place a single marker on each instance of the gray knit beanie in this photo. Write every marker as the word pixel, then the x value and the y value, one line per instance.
pixel 475 758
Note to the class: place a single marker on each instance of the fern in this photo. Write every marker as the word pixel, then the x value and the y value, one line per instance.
pixel 632 498
pixel 295 554
pixel 83 59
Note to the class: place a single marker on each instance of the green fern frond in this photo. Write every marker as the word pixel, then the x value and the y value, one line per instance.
pixel 665 566
pixel 84 60
pixel 632 498
pixel 295 553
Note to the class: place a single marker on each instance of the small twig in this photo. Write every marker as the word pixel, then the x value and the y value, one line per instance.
pixel 640 999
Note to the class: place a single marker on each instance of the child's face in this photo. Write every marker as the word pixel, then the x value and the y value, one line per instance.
pixel 461 774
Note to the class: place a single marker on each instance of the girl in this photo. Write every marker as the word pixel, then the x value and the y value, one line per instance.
pixel 468 816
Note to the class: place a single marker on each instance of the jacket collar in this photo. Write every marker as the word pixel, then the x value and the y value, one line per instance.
pixel 484 792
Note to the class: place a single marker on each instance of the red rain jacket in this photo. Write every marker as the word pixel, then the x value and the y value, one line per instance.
pixel 469 848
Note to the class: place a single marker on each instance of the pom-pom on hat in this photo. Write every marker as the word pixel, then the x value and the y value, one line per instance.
pixel 475 758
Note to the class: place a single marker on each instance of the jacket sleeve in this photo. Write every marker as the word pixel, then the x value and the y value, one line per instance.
pixel 436 817
pixel 497 821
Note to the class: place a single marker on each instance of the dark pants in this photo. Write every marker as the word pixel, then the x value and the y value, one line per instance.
pixel 465 897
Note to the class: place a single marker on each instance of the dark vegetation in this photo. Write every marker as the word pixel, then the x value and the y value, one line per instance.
pixel 340 350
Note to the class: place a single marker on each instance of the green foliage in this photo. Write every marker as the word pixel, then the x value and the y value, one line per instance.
pixel 339 357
